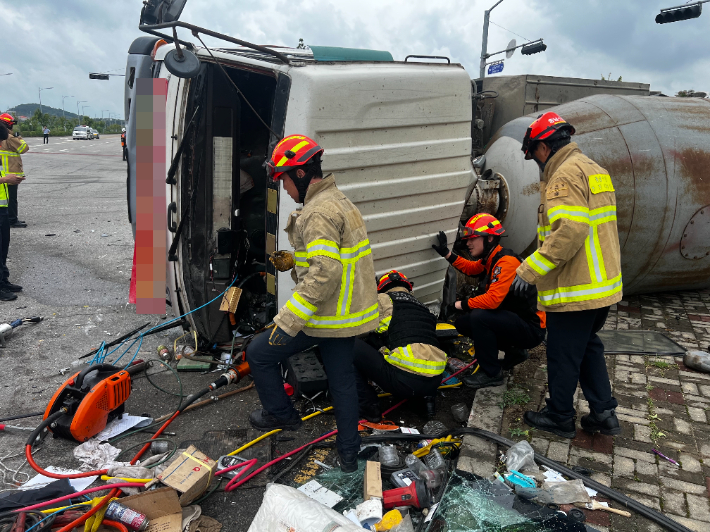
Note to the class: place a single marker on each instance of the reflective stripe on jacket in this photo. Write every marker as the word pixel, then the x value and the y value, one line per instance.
pixel 418 358
pixel 577 265
pixel 335 294
pixel 10 150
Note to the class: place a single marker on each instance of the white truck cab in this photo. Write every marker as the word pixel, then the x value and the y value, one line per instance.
pixel 397 136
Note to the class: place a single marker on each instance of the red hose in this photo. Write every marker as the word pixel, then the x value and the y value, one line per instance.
pixel 33 464
pixel 83 518
pixel 459 371
pixel 115 524
pixel 79 494
pixel 158 433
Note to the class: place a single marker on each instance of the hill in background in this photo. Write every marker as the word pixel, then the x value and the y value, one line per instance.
pixel 28 109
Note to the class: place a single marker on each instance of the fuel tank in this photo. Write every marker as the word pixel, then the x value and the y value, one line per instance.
pixel 657 151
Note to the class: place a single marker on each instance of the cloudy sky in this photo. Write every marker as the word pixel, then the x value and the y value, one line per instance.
pixel 56 44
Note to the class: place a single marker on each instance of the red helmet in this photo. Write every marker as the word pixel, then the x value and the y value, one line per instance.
pixel 292 152
pixel 544 127
pixel 8 119
pixel 391 279
pixel 482 224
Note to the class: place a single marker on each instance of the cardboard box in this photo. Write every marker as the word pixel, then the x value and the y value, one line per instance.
pixel 373 481
pixel 190 473
pixel 161 507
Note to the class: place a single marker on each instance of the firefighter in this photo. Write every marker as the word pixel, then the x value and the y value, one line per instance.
pixel 577 272
pixel 124 149
pixel 410 363
pixel 334 299
pixel 496 319
pixel 10 155
pixel 7 289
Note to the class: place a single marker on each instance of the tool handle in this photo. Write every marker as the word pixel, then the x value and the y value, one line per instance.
pixel 615 511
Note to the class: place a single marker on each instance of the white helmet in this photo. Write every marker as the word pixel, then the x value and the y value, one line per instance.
pixel 123 130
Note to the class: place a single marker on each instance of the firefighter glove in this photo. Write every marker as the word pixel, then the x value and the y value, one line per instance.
pixel 283 261
pixel 520 286
pixel 279 337
pixel 443 247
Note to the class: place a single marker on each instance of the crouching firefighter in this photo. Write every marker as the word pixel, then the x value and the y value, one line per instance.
pixel 410 363
pixel 334 299
pixel 497 319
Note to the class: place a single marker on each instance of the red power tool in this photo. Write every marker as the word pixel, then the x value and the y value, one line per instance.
pixel 416 494
pixel 92 398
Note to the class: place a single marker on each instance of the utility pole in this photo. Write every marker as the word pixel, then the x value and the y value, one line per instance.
pixel 78 117
pixel 484 45
pixel 40 97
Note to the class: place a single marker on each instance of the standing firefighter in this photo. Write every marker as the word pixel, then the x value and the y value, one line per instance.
pixel 10 155
pixel 577 271
pixel 334 299
pixel 496 319
pixel 410 363
pixel 7 289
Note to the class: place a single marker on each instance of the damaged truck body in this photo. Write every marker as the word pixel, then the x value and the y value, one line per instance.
pixel 409 146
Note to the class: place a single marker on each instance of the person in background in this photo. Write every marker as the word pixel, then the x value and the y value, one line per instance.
pixel 7 289
pixel 45 132
pixel 496 319
pixel 11 151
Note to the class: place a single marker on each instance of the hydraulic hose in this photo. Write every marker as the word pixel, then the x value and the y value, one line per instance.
pixel 628 502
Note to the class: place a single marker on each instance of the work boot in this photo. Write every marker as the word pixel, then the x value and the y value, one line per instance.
pixel 543 421
pixel 7 286
pixel 7 296
pixel 348 462
pixel 513 357
pixel 430 403
pixel 481 380
pixel 262 420
pixel 370 412
pixel 605 422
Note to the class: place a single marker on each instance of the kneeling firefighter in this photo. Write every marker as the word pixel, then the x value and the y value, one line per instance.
pixel 410 363
pixel 334 299
pixel 498 319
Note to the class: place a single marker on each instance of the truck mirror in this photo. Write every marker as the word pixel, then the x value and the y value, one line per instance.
pixel 182 63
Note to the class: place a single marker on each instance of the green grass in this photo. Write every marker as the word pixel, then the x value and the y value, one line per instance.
pixel 517 432
pixel 515 396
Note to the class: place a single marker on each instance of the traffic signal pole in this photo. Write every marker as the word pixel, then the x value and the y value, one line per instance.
pixel 484 44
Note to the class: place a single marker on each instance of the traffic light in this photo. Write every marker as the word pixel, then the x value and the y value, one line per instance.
pixel 679 13
pixel 534 48
pixel 103 77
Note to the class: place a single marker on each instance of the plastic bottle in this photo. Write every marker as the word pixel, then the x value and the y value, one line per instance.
pixel 415 464
pixel 434 460
pixel 389 456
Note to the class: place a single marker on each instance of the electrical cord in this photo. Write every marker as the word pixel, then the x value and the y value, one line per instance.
pixel 167 457
pixel 21 416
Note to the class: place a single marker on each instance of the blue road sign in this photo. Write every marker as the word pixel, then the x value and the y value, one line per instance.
pixel 495 68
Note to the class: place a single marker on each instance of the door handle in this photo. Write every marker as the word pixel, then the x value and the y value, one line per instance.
pixel 172 208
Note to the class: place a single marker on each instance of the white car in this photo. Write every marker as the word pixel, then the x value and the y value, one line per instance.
pixel 95 134
pixel 82 133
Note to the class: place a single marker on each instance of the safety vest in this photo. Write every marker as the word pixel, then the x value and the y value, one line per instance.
pixel 577 265
pixel 10 159
pixel 411 334
pixel 335 295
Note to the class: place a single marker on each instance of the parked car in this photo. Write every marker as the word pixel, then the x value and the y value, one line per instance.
pixel 82 133
pixel 95 134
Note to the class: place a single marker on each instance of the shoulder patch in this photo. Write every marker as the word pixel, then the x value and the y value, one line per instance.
pixel 558 189
pixel 600 183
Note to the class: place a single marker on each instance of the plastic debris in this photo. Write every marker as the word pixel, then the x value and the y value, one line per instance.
pixel 520 457
pixel 460 412
pixel 697 360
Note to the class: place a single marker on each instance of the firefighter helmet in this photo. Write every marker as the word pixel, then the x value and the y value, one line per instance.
pixel 292 152
pixel 482 224
pixel 544 128
pixel 392 279
pixel 8 119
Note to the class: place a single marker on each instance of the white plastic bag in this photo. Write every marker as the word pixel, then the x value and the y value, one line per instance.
pixel 520 456
pixel 286 508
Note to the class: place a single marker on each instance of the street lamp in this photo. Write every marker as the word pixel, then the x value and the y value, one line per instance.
pixel 8 74
pixel 84 107
pixel 684 12
pixel 78 117
pixel 63 97
pixel 40 97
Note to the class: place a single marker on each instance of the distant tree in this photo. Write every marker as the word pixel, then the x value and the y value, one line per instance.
pixel 685 94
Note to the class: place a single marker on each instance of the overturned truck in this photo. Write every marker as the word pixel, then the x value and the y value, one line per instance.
pixel 399 136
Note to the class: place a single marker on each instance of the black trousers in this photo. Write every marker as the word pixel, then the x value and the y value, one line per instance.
pixel 46 139
pixel 4 244
pixel 12 202
pixel 576 354
pixel 337 355
pixel 371 365
pixel 497 330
